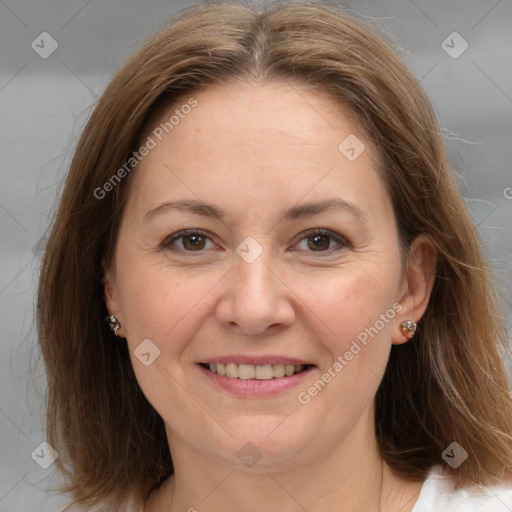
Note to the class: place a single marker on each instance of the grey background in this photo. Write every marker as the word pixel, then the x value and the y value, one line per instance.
pixel 45 102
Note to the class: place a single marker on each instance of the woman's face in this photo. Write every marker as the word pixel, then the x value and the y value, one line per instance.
pixel 258 171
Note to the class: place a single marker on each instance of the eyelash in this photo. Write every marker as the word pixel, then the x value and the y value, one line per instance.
pixel 343 243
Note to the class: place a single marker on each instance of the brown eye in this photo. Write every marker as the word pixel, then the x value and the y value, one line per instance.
pixel 322 241
pixel 187 241
pixel 319 242
pixel 193 242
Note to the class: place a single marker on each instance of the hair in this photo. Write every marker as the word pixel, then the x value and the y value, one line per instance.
pixel 448 384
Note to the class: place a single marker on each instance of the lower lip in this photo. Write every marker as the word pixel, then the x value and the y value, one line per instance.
pixel 255 387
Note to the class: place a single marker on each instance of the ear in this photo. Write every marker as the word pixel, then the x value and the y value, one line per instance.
pixel 416 286
pixel 110 295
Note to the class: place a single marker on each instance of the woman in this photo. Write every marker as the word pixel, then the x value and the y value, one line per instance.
pixel 299 316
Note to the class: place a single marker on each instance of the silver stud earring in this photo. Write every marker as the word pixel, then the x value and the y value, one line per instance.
pixel 114 324
pixel 408 328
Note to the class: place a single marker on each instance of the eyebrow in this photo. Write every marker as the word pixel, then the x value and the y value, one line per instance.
pixel 296 212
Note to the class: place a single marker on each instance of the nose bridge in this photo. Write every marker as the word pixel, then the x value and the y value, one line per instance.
pixel 254 277
pixel 256 297
pixel 254 283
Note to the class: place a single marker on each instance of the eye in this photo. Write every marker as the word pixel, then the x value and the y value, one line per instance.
pixel 316 240
pixel 322 240
pixel 188 240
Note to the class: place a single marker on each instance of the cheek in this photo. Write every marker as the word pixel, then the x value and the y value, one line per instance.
pixel 338 306
pixel 354 317
pixel 352 304
pixel 164 304
pixel 354 314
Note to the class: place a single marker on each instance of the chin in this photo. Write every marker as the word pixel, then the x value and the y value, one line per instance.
pixel 272 442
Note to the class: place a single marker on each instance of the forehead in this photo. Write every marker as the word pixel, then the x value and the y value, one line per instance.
pixel 269 114
pixel 257 143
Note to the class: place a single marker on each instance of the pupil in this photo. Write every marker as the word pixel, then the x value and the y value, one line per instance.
pixel 317 242
pixel 194 241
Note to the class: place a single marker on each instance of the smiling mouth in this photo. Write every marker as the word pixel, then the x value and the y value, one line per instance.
pixel 260 372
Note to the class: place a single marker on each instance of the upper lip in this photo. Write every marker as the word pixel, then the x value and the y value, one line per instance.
pixel 256 360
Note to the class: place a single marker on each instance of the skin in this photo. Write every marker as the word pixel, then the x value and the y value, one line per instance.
pixel 256 150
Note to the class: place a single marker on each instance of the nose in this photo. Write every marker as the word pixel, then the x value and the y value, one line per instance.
pixel 255 298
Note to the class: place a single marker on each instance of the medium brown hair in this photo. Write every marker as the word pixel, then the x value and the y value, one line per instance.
pixel 448 384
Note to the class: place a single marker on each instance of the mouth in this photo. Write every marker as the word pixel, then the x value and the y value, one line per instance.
pixel 256 377
pixel 255 372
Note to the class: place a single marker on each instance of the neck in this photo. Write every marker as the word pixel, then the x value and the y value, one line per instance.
pixel 351 477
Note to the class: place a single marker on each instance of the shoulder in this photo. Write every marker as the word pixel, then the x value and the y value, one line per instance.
pixel 438 493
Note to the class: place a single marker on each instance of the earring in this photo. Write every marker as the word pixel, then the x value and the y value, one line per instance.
pixel 114 324
pixel 408 328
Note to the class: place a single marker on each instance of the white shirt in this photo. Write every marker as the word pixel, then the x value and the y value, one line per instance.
pixel 436 495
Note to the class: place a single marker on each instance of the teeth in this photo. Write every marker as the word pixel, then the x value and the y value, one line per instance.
pixel 264 372
pixel 246 371
pixel 278 370
pixel 232 370
pixel 261 372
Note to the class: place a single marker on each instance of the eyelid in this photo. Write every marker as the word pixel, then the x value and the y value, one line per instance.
pixel 342 242
pixel 167 242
